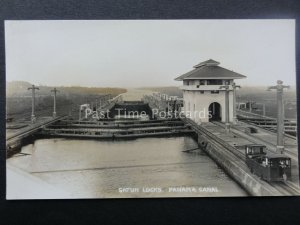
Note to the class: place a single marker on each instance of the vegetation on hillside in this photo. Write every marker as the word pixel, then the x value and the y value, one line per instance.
pixel 20 88
pixel 18 98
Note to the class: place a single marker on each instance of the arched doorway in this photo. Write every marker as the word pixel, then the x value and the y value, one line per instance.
pixel 215 112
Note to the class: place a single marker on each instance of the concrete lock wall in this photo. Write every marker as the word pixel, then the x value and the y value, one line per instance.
pixel 234 168
pixel 199 112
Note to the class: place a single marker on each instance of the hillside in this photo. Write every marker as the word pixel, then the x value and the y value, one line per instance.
pixel 20 89
pixel 18 98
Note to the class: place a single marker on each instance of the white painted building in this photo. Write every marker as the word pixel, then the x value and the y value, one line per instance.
pixel 204 91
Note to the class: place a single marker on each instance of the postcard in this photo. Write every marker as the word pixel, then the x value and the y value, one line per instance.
pixel 150 108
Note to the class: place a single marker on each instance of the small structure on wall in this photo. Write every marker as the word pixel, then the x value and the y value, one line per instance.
pixel 206 89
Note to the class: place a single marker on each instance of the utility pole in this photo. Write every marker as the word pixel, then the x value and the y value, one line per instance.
pixel 234 86
pixel 280 114
pixel 54 101
pixel 227 124
pixel 33 88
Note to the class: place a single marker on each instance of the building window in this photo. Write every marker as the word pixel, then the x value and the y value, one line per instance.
pixel 202 92
pixel 198 86
pixel 226 82
pixel 202 82
pixel 214 92
pixel 214 82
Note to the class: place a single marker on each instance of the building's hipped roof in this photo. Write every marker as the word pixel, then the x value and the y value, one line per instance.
pixel 210 70
pixel 209 62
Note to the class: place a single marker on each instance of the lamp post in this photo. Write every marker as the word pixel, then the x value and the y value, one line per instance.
pixel 227 124
pixel 33 88
pixel 234 86
pixel 54 101
pixel 280 114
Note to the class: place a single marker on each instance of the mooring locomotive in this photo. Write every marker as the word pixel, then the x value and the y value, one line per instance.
pixel 268 166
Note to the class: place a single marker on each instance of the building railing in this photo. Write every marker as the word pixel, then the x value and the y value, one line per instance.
pixel 202 87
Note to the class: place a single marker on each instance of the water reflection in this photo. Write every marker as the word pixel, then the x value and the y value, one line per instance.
pixel 96 169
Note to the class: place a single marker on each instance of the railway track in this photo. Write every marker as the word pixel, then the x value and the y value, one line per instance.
pixel 219 141
pixel 23 133
pixel 271 130
pixel 286 188
pixel 293 186
pixel 249 137
pixel 247 117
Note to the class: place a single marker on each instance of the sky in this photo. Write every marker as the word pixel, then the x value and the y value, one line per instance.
pixel 143 53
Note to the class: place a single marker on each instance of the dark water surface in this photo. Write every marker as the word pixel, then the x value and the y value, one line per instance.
pixel 147 167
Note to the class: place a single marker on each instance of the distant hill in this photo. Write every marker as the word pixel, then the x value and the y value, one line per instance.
pixel 18 98
pixel 17 88
pixel 20 89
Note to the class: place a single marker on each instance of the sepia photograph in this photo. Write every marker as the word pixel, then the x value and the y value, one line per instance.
pixel 150 108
